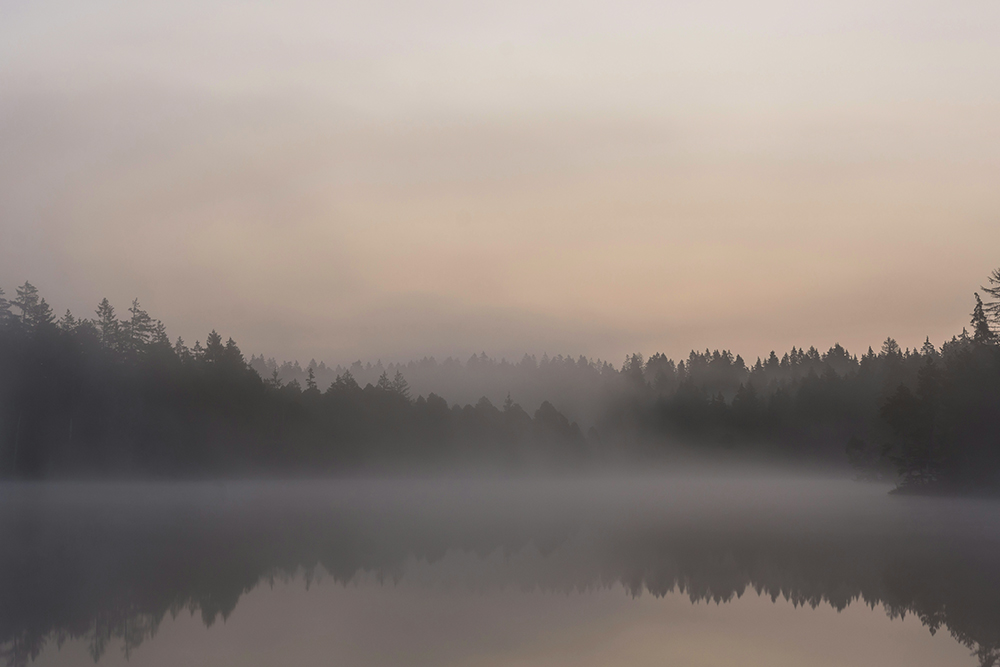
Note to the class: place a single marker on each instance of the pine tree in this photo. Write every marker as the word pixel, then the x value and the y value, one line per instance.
pixel 43 314
pixel 181 350
pixel 384 383
pixel 890 348
pixel 107 324
pixel 928 349
pixel 345 382
pixel 400 385
pixel 26 301
pixel 34 311
pixel 981 332
pixel 311 380
pixel 67 322
pixel 5 314
pixel 138 329
pixel 992 307
pixel 159 336
pixel 214 349
pixel 632 370
pixel 159 342
pixel 232 355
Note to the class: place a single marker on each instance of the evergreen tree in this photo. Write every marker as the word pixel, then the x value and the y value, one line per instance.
pixel 138 330
pixel 384 383
pixel 632 370
pixel 67 322
pixel 992 307
pixel 232 356
pixel 981 332
pixel 345 382
pixel 928 349
pixel 890 348
pixel 159 343
pixel 5 314
pixel 107 324
pixel 35 312
pixel 311 381
pixel 181 350
pixel 26 301
pixel 159 337
pixel 400 385
pixel 214 349
pixel 43 314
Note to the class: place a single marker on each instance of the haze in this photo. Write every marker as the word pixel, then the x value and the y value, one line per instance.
pixel 393 179
pixel 703 568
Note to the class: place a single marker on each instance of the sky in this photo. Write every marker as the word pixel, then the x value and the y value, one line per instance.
pixel 388 180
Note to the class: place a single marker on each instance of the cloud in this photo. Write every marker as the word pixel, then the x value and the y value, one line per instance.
pixel 348 183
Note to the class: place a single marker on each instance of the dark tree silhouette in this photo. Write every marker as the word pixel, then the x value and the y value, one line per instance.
pixel 106 396
pixel 107 324
pixel 993 306
pixel 35 312
pixel 112 397
pixel 981 332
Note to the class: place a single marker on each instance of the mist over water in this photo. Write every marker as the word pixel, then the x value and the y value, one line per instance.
pixel 647 333
pixel 455 526
pixel 489 570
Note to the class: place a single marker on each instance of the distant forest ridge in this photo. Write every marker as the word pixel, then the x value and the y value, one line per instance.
pixel 574 384
pixel 112 393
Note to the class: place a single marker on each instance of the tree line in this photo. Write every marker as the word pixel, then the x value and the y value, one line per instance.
pixel 114 395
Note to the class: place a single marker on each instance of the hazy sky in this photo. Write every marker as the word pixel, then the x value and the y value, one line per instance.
pixel 393 179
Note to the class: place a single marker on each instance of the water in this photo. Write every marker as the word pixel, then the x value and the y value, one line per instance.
pixel 697 569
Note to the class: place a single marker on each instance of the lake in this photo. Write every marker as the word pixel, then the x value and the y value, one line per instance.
pixel 701 568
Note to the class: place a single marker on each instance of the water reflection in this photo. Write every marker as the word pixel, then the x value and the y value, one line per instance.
pixel 109 562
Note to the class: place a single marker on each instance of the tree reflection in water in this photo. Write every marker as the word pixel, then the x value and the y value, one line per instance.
pixel 109 562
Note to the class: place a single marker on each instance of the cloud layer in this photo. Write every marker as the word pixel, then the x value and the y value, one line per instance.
pixel 397 179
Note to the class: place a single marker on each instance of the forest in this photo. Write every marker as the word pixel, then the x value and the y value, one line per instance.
pixel 113 396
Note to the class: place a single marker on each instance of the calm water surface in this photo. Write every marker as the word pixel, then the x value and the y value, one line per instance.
pixel 654 570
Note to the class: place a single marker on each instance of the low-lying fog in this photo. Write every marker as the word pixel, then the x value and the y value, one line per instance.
pixel 110 565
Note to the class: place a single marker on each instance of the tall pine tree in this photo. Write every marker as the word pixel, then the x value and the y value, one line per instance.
pixel 992 307
pixel 981 332
pixel 138 330
pixel 107 324
pixel 35 312
pixel 214 349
